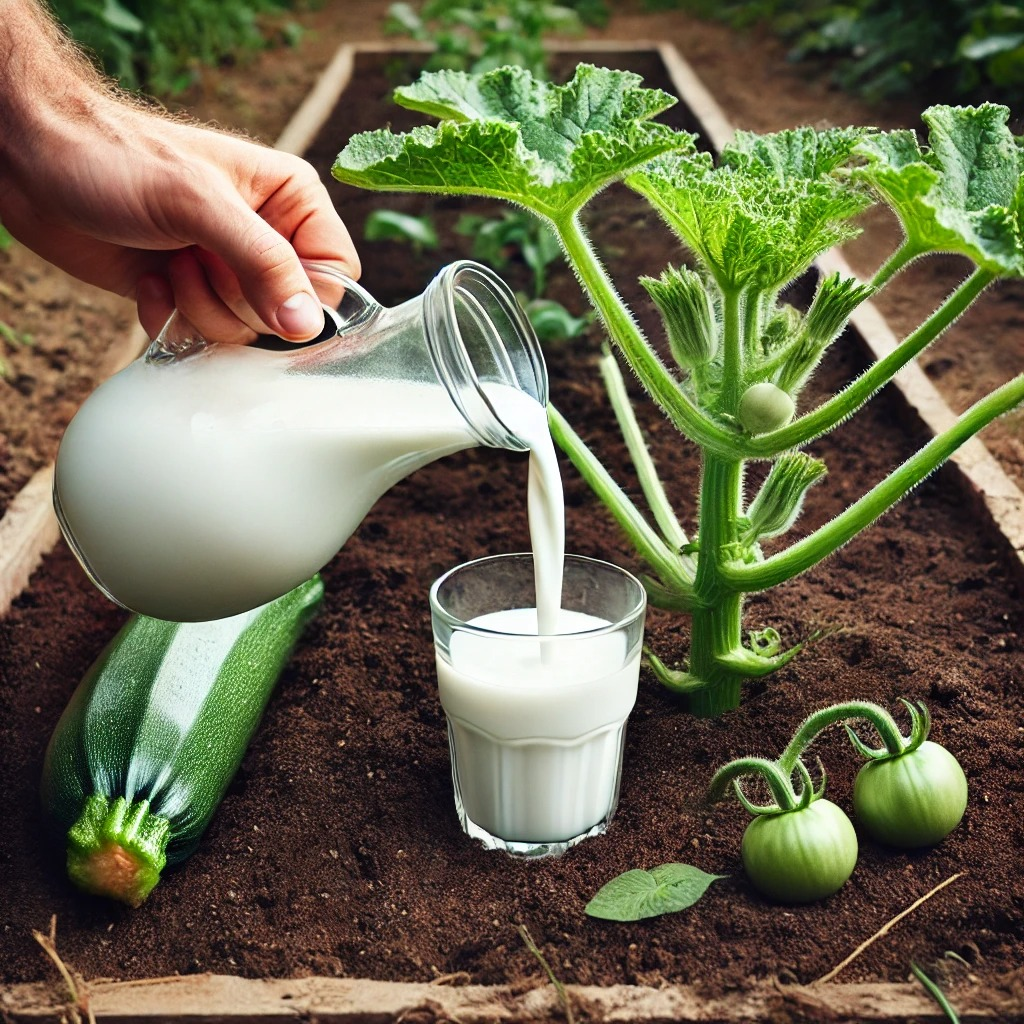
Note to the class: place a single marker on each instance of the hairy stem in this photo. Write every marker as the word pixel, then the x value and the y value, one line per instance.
pixel 647 473
pixel 732 350
pixel 829 538
pixel 829 414
pixel 643 360
pixel 817 722
pixel 905 254
pixel 670 567
pixel 716 630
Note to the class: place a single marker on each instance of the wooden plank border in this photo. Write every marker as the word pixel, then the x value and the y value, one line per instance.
pixel 220 999
pixel 28 531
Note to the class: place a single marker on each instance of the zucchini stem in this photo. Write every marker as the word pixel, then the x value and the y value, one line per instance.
pixel 117 849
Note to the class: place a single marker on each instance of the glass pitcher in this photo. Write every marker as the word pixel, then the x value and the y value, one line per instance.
pixel 204 480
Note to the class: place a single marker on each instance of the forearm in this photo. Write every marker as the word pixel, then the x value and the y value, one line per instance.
pixel 64 129
pixel 46 85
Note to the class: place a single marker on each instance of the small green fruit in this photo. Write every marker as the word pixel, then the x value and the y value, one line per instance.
pixel 765 407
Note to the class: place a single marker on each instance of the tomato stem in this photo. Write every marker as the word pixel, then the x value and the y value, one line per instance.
pixel 778 781
pixel 894 742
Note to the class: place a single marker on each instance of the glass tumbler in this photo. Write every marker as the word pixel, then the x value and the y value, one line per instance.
pixel 536 724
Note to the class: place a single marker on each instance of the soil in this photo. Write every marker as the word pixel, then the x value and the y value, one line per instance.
pixel 337 850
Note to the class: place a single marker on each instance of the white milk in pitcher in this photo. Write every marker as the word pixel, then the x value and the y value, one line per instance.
pixel 204 488
pixel 200 489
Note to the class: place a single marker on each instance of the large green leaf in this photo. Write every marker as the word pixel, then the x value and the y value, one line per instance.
pixel 508 135
pixel 796 153
pixel 964 193
pixel 761 217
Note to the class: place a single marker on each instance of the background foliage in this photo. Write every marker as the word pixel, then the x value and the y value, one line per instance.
pixel 157 45
pixel 478 35
pixel 939 50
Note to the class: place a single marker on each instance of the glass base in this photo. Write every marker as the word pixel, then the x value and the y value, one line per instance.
pixel 524 850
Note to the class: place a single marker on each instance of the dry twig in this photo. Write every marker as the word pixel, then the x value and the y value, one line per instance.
pixel 884 929
pixel 77 989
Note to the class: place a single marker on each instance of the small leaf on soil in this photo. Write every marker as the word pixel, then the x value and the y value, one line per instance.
pixel 662 890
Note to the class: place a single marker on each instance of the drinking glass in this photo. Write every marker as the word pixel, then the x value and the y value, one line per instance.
pixel 536 724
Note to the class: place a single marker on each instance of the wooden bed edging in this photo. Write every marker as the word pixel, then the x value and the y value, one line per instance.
pixel 221 999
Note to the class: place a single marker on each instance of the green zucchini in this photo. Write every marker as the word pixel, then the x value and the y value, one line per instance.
pixel 153 735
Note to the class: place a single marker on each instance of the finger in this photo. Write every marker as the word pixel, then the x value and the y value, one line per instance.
pixel 317 234
pixel 154 298
pixel 269 273
pixel 201 305
pixel 294 217
pixel 225 283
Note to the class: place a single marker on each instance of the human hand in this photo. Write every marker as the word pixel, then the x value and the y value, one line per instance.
pixel 180 216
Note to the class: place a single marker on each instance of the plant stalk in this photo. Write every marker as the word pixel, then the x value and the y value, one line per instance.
pixel 905 254
pixel 647 473
pixel 830 414
pixel 668 565
pixel 716 629
pixel 833 535
pixel 643 360
pixel 817 722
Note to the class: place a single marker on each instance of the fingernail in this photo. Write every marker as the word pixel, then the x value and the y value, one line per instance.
pixel 301 315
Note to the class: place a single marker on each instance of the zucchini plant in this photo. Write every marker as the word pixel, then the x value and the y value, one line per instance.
pixel 750 224
pixel 153 735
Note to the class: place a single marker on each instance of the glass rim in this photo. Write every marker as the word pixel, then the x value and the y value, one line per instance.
pixel 454 622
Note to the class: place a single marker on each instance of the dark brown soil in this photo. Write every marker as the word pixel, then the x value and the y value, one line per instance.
pixel 337 850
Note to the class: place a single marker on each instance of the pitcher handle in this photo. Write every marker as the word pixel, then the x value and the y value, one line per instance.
pixel 348 306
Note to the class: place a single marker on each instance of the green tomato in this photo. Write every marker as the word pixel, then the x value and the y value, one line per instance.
pixel 800 856
pixel 764 407
pixel 912 800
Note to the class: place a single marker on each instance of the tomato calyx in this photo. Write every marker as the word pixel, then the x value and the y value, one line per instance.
pixel 920 727
pixel 786 796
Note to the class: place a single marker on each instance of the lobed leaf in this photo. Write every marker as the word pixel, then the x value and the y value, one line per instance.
pixel 754 225
pixel 794 153
pixel 964 193
pixel 509 135
pixel 637 894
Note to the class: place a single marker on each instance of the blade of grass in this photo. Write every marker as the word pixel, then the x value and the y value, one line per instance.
pixel 935 992
pixel 563 995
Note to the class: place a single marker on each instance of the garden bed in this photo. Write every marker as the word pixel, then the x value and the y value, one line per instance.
pixel 337 852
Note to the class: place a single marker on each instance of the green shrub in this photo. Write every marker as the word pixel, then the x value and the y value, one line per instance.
pixel 158 44
pixel 479 35
pixel 947 50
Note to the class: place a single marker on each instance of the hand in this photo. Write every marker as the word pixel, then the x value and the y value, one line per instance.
pixel 175 214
